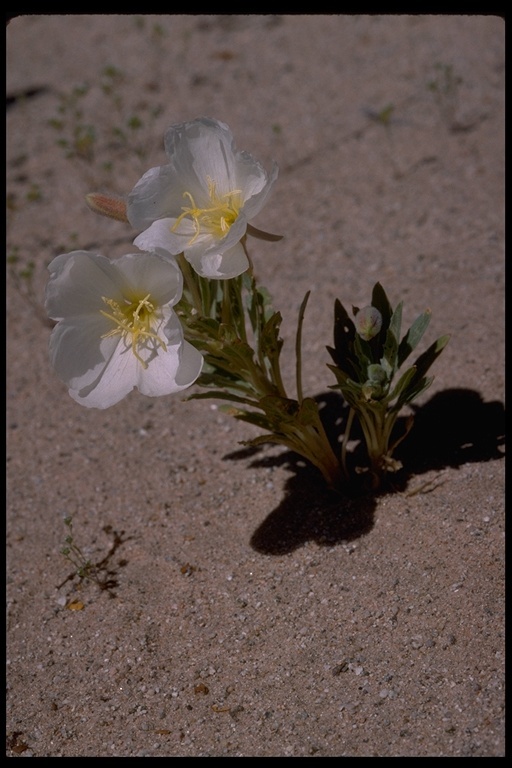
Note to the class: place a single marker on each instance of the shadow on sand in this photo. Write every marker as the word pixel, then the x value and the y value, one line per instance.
pixel 453 428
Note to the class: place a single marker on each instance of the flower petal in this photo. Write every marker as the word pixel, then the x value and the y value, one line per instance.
pixel 256 193
pixel 101 346
pixel 116 379
pixel 77 282
pixel 172 371
pixel 77 351
pixel 167 372
pixel 160 235
pixel 153 274
pixel 158 194
pixel 218 265
pixel 201 149
pixel 200 204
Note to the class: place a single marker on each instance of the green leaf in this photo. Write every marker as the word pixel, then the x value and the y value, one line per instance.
pixel 271 344
pixel 425 360
pixel 401 387
pixel 259 303
pixel 415 389
pixel 390 351
pixel 344 333
pixel 308 413
pixel 223 395
pixel 279 413
pixel 351 390
pixel 264 439
pixel 279 408
pixel 381 302
pixel 334 368
pixel 364 356
pixel 413 336
pixel 344 379
pixel 395 323
pixel 419 382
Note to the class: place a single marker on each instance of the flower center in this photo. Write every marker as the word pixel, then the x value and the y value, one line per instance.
pixel 133 319
pixel 217 218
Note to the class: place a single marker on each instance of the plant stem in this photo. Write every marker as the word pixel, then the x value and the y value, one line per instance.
pixel 344 444
pixel 190 283
pixel 298 347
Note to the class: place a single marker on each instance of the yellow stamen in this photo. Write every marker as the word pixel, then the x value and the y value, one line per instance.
pixel 133 319
pixel 217 218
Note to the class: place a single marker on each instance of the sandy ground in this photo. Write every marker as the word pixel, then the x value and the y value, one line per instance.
pixel 246 612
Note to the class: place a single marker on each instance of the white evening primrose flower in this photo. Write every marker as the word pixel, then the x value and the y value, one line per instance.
pixel 116 327
pixel 202 202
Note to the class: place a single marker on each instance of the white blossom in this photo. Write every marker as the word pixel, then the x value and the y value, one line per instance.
pixel 116 327
pixel 201 203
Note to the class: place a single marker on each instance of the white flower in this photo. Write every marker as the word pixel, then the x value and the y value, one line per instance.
pixel 201 203
pixel 116 328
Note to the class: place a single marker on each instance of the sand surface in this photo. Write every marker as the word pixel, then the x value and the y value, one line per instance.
pixel 247 612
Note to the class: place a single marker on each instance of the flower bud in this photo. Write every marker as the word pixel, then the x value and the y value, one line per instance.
pixel 106 205
pixel 368 322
